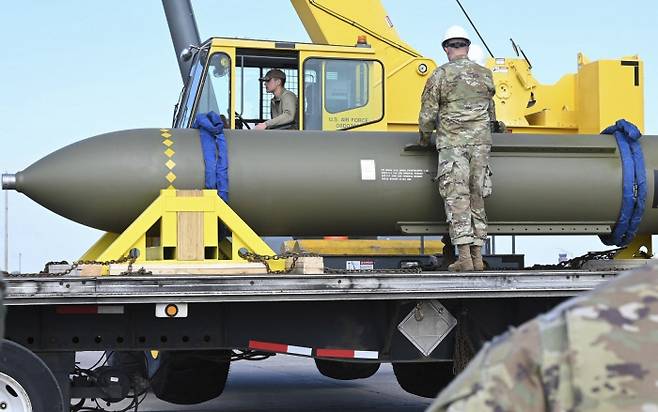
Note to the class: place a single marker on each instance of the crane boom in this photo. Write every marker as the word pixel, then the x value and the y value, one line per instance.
pixel 183 30
pixel 340 22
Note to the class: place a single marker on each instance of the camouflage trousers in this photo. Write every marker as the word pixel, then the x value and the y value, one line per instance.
pixel 464 178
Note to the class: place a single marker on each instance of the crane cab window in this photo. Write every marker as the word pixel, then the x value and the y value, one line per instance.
pixel 252 101
pixel 342 94
pixel 216 92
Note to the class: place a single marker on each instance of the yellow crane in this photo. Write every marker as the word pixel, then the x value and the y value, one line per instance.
pixel 358 74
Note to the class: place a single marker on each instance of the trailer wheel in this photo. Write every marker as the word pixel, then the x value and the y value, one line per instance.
pixel 424 379
pixel 189 377
pixel 26 382
pixel 346 370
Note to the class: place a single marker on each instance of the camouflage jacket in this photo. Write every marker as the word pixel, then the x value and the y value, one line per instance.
pixel 458 102
pixel 598 352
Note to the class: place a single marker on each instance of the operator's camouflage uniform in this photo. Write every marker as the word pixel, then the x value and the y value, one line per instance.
pixel 597 352
pixel 457 101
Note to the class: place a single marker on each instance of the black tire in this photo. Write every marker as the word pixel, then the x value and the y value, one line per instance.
pixel 346 370
pixel 189 377
pixel 424 379
pixel 24 373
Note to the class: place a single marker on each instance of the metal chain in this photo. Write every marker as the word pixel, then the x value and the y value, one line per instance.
pixel 574 263
pixel 254 257
pixel 578 261
pixel 264 259
pixel 465 349
pixel 139 272
pixel 78 263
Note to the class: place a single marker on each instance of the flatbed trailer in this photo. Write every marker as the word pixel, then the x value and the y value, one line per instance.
pixel 355 318
pixel 67 290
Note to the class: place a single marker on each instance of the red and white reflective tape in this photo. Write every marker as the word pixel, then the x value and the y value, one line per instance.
pixel 305 351
pixel 280 348
pixel 347 354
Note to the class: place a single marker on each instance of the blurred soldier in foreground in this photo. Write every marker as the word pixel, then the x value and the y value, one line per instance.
pixel 596 352
pixel 457 102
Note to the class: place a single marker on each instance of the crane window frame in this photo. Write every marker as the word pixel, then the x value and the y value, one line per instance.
pixel 186 108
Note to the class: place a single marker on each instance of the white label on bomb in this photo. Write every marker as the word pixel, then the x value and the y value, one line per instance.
pixel 368 170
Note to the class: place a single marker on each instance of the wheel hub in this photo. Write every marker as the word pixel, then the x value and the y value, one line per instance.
pixel 13 396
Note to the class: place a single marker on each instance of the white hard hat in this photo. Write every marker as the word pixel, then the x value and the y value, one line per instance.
pixel 455 32
pixel 476 54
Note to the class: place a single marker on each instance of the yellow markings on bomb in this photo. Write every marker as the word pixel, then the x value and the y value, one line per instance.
pixel 169 153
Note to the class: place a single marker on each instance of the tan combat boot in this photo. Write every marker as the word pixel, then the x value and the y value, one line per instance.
pixel 476 255
pixel 464 263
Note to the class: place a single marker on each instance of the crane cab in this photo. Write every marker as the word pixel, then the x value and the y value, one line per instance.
pixel 337 87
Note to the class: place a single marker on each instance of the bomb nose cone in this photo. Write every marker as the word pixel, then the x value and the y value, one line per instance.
pixel 8 181
pixel 106 181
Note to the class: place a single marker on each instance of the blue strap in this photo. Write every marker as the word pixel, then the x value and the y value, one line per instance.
pixel 634 183
pixel 215 153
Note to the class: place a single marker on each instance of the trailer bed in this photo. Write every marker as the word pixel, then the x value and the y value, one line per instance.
pixel 272 288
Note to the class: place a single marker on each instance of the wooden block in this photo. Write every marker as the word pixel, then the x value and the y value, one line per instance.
pixel 90 270
pixel 307 265
pixel 222 269
pixel 189 238
pixel 189 242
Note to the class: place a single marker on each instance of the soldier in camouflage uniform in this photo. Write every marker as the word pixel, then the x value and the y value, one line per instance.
pixel 596 352
pixel 457 102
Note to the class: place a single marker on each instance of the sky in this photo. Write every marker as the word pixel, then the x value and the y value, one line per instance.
pixel 74 69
